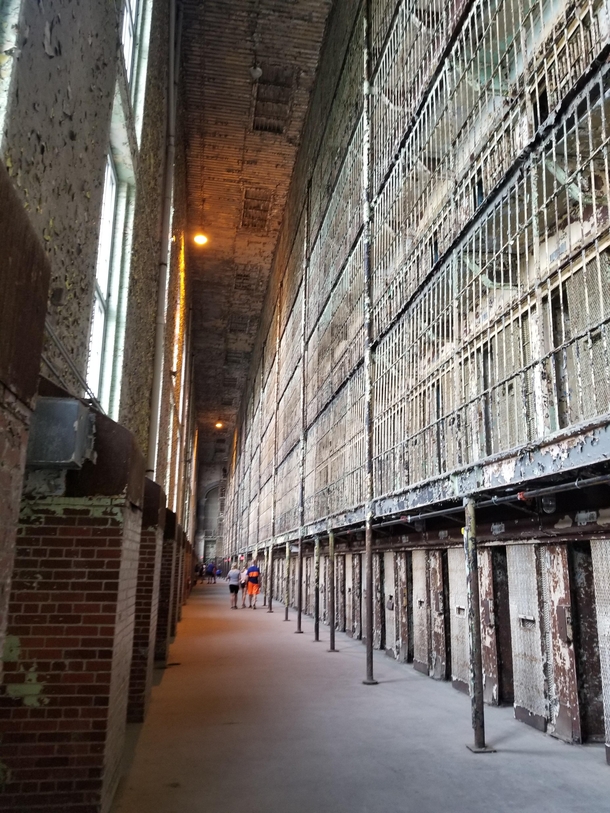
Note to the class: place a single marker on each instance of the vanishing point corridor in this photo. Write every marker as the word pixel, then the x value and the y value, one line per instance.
pixel 250 717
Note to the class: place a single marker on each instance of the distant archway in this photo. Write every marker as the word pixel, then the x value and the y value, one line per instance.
pixel 210 512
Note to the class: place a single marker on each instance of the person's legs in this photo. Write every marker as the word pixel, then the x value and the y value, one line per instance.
pixel 243 595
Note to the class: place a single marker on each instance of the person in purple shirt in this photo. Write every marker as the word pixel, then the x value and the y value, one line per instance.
pixel 254 577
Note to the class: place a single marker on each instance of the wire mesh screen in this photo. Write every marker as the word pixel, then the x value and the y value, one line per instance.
pixel 490 259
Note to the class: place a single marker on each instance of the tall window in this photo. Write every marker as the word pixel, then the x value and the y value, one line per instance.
pixel 9 18
pixel 101 300
pixel 104 371
pixel 128 37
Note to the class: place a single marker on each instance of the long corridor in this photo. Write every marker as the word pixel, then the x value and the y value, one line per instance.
pixel 250 716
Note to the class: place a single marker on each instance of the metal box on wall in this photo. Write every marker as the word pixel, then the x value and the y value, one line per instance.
pixel 61 434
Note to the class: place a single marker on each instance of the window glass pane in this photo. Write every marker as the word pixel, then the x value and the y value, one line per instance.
pixel 104 251
pixel 127 37
pixel 96 343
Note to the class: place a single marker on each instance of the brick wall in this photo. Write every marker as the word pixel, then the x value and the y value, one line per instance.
pixel 55 146
pixel 147 602
pixel 14 421
pixel 24 280
pixel 122 651
pixel 176 604
pixel 69 640
pixel 166 588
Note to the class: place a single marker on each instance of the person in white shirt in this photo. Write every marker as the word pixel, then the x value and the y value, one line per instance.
pixel 243 583
pixel 233 577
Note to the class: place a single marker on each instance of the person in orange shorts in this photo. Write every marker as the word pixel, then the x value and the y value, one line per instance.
pixel 254 587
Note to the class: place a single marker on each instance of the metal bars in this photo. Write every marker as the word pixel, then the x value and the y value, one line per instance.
pixel 489 263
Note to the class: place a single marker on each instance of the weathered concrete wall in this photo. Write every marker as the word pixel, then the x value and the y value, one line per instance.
pixel 527 636
pixel 142 304
pixel 601 568
pixel 70 631
pixel 176 329
pixel 54 147
pixel 24 279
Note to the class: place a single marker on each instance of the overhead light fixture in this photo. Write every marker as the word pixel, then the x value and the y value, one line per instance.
pixel 219 424
pixel 200 239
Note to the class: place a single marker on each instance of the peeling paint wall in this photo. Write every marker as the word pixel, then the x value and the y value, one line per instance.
pixel 142 304
pixel 600 550
pixel 528 636
pixel 54 145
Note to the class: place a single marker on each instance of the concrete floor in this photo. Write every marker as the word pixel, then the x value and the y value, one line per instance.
pixel 255 718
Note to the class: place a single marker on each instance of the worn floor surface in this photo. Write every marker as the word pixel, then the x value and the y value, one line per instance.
pixel 253 718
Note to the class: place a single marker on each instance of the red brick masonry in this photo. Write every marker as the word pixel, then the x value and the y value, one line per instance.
pixel 68 655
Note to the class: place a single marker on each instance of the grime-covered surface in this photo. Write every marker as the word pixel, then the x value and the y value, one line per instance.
pixel 485 311
pixel 489 273
pixel 142 303
pixel 393 747
pixel 600 550
pixel 248 72
pixel 54 145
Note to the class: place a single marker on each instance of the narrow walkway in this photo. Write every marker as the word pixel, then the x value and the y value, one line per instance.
pixel 253 718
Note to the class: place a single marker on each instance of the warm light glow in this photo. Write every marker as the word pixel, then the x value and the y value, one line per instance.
pixel 218 424
pixel 200 239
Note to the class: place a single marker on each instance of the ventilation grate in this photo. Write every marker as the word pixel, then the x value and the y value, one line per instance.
pixel 273 96
pixel 255 212
pixel 239 323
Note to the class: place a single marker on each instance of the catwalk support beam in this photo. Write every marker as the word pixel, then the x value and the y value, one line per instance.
pixel 474 628
pixel 368 349
pixel 286 581
pixel 316 594
pixel 331 589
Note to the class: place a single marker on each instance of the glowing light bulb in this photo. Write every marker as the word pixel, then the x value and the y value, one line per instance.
pixel 218 424
pixel 200 239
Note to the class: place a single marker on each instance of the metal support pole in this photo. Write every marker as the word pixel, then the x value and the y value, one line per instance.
pixel 270 582
pixel 474 628
pixel 300 587
pixel 316 595
pixel 368 352
pixel 332 588
pixel 266 577
pixel 287 581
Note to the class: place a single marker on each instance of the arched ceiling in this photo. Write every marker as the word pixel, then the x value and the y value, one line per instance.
pixel 248 71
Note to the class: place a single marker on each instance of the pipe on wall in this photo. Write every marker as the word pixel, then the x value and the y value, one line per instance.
pixel 368 347
pixel 175 25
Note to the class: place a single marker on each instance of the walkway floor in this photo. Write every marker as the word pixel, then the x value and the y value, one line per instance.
pixel 252 718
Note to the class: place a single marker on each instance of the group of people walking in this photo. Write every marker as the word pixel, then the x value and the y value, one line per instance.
pixel 209 572
pixel 247 580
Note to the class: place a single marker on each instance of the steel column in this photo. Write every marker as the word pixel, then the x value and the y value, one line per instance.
pixel 300 587
pixel 270 579
pixel 331 588
pixel 316 595
pixel 368 351
pixel 287 581
pixel 474 628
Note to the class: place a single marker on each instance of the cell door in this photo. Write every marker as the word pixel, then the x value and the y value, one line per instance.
pixel 560 666
pixel 340 596
pixel 307 603
pixel 440 662
pixel 586 642
pixel 403 640
pixel 501 624
pixel 349 598
pixel 421 626
pixel 496 640
pixel 378 608
pixel 389 603
pixel 357 595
